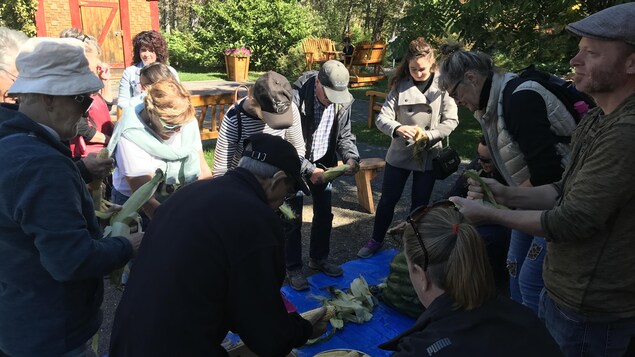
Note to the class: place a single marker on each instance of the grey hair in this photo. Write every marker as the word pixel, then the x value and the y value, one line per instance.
pixel 90 43
pixel 10 43
pixel 457 61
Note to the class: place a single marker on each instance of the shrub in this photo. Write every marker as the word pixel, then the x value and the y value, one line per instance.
pixel 185 50
pixel 269 28
pixel 292 63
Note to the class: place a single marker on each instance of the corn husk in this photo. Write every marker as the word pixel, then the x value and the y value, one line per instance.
pixel 354 305
pixel 420 145
pixel 334 172
pixel 488 196
pixel 287 212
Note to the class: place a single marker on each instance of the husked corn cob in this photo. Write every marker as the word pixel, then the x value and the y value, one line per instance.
pixel 310 315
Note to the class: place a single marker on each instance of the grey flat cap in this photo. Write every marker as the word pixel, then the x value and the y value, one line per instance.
pixel 613 23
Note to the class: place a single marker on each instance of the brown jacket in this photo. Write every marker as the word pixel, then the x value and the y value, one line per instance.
pixel 590 263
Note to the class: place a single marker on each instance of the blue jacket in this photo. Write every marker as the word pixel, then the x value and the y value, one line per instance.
pixel 53 257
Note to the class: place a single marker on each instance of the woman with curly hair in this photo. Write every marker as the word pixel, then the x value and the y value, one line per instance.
pixel 148 47
pixel 415 108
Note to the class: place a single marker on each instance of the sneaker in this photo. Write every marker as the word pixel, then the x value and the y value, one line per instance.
pixel 369 249
pixel 297 280
pixel 325 267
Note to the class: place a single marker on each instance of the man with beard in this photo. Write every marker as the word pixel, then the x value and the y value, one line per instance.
pixel 587 217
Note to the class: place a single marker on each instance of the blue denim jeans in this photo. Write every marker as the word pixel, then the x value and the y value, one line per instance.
pixel 320 227
pixel 524 262
pixel 391 190
pixel 580 336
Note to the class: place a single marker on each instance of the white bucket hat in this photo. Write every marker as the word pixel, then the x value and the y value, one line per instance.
pixel 54 66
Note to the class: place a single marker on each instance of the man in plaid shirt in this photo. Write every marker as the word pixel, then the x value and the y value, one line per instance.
pixel 325 110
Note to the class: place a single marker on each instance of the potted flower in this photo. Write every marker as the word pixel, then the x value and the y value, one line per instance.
pixel 237 63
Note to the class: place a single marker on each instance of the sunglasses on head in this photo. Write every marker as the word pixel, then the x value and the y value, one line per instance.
pixel 85 100
pixel 416 216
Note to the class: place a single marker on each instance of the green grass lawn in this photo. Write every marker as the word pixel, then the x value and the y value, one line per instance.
pixel 187 76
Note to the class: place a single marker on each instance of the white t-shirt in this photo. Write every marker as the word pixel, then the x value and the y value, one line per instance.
pixel 132 161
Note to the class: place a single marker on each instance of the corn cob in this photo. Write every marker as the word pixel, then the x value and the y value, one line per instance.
pixel 96 187
pixel 333 172
pixel 310 315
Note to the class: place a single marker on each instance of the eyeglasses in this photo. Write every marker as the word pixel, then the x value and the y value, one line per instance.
pixel 415 217
pixel 483 159
pixel 170 128
pixel 11 76
pixel 452 91
pixel 85 100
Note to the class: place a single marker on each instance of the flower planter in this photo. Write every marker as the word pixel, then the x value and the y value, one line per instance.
pixel 237 68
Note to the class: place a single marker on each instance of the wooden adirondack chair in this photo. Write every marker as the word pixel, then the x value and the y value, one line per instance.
pixel 365 55
pixel 318 51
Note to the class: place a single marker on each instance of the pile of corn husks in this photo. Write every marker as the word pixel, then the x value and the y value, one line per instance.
pixel 354 305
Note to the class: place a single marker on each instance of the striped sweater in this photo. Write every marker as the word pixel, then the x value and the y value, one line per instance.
pixel 229 146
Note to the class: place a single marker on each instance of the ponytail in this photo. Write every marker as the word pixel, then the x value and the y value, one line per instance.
pixel 457 259
pixel 469 278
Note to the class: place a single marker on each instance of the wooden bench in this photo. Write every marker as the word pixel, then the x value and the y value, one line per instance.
pixel 368 170
pixel 374 106
pixel 317 50
pixel 366 55
pixel 218 104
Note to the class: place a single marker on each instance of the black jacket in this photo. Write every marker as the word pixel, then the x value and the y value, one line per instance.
pixel 341 141
pixel 211 261
pixel 500 327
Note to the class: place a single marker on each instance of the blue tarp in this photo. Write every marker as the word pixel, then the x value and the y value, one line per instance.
pixel 385 324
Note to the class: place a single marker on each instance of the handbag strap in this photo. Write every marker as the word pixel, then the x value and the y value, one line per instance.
pixel 238 89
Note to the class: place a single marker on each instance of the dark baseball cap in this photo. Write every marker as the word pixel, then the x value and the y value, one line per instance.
pixel 334 78
pixel 616 23
pixel 277 152
pixel 270 100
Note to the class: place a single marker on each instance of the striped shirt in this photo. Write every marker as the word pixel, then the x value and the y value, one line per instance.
pixel 229 147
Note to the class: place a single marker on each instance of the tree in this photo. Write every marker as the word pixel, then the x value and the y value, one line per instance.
pixel 19 15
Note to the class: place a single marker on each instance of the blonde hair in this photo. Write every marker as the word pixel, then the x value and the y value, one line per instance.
pixel 417 48
pixel 168 101
pixel 457 258
pixel 155 72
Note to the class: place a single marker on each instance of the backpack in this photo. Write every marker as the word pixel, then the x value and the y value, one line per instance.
pixel 576 102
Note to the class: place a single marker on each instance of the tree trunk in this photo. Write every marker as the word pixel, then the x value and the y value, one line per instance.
pixel 367 19
pixel 347 22
pixel 379 23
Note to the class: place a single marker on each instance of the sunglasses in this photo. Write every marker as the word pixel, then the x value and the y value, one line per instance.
pixel 415 217
pixel 483 159
pixel 170 128
pixel 85 100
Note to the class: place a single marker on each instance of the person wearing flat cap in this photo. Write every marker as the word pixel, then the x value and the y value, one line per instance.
pixel 325 110
pixel 267 109
pixel 588 218
pixel 220 268
pixel 53 255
